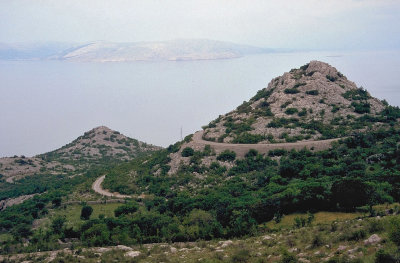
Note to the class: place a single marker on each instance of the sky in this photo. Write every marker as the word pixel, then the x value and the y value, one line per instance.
pixel 296 24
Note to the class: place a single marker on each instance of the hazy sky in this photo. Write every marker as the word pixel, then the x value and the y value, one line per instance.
pixel 315 24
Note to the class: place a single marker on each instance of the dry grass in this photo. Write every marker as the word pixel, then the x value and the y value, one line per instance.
pixel 320 218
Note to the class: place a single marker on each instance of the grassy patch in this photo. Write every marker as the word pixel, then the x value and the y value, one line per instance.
pixel 320 218
pixel 73 212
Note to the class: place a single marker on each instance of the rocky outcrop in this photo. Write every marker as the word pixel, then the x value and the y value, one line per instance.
pixel 313 102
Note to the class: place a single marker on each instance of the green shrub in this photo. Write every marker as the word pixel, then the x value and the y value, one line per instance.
pixel 357 235
pixel 299 221
pixel 187 152
pixel 331 78
pixel 284 105
pixel 244 107
pixel 283 122
pixel 126 209
pixel 375 226
pixel 291 91
pixel 391 113
pixel 238 127
pixel 86 212
pixel 362 107
pixel 305 67
pixel 356 94
pixel 226 156
pixel 173 148
pixel 291 111
pixel 288 258
pixel 188 138
pixel 303 112
pixel 382 256
pixel 394 231
pixel 313 92
pixel 317 241
pixel 264 93
pixel 57 224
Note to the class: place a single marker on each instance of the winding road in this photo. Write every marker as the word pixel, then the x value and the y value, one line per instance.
pixel 98 189
pixel 242 149
pixel 239 149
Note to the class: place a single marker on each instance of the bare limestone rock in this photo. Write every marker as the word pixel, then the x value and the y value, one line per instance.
pixel 225 243
pixel 372 240
pixel 132 254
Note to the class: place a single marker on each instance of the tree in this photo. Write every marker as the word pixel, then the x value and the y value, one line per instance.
pixel 57 224
pixel 226 156
pixel 129 208
pixel 21 231
pixel 86 212
pixel 349 193
pixel 187 152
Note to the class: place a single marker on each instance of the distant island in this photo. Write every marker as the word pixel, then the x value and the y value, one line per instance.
pixel 173 50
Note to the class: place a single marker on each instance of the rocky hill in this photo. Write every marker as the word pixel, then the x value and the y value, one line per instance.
pixel 309 107
pixel 312 102
pixel 94 147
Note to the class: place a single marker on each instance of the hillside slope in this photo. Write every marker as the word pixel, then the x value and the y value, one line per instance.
pixel 309 107
pixel 313 102
pixel 96 146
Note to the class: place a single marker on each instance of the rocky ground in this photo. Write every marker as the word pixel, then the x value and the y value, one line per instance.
pixel 355 240
pixel 314 92
pixel 94 145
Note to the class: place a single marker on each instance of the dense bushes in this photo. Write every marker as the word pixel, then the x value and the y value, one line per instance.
pixel 362 107
pixel 129 208
pixel 291 91
pixel 356 94
pixel 86 212
pixel 312 92
pixel 180 208
pixel 187 152
pixel 291 111
pixel 226 156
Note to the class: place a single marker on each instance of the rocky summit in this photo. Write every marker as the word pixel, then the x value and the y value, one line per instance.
pixel 313 102
pixel 309 107
pixel 97 146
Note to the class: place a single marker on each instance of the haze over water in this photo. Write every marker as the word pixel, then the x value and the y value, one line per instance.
pixel 46 104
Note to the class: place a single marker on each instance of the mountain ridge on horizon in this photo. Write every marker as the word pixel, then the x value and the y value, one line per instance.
pixel 108 51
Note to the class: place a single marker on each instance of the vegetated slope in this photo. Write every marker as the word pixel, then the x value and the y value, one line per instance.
pixel 213 196
pixel 96 147
pixel 310 103
pixel 320 237
pixel 182 49
pixel 304 106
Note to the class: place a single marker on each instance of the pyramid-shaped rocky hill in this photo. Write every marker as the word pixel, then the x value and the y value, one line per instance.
pixel 95 147
pixel 313 102
pixel 309 107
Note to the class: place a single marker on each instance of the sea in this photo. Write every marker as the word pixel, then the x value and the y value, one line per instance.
pixel 46 104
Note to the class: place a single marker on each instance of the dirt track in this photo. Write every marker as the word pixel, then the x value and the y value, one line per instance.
pixel 242 149
pixel 98 189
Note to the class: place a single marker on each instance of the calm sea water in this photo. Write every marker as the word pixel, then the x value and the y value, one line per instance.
pixel 46 104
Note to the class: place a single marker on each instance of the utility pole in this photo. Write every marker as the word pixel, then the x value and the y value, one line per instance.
pixel 181 134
